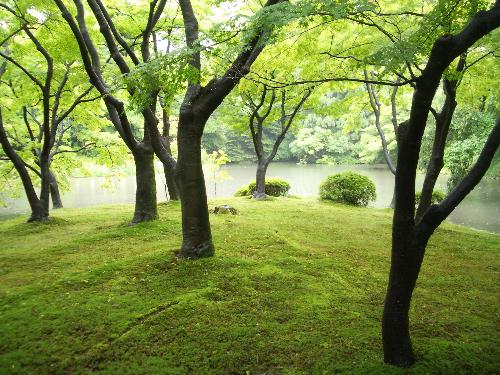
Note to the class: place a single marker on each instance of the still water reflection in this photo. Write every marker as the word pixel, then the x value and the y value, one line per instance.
pixel 481 209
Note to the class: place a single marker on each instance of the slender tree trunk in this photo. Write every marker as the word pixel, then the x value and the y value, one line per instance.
pixel 173 194
pixel 196 233
pixel 45 182
pixel 260 180
pixel 55 194
pixel 393 200
pixel 169 174
pixel 145 196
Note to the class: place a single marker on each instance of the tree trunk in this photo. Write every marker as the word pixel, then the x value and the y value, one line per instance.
pixel 45 182
pixel 407 257
pixel 54 192
pixel 196 233
pixel 145 196
pixel 393 200
pixel 260 181
pixel 37 211
pixel 173 192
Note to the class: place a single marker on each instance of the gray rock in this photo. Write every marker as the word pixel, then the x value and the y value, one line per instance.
pixel 225 209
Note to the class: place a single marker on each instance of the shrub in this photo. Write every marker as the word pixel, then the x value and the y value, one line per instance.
pixel 275 187
pixel 437 197
pixel 348 187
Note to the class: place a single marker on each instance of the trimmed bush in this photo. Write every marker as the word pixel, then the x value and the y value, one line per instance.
pixel 348 187
pixel 275 187
pixel 437 197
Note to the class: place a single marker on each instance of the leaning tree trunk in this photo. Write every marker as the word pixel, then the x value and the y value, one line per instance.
pixel 145 196
pixel 55 194
pixel 196 233
pixel 260 180
pixel 173 194
pixel 37 211
pixel 393 200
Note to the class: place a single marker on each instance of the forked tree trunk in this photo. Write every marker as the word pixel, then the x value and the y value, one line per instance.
pixel 55 194
pixel 145 196
pixel 260 180
pixel 196 233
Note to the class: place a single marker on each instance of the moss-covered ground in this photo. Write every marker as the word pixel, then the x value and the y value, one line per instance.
pixel 296 287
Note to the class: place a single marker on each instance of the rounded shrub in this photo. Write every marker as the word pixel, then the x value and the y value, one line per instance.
pixel 348 187
pixel 275 187
pixel 437 197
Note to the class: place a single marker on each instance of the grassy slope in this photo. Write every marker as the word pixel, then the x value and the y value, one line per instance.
pixel 296 287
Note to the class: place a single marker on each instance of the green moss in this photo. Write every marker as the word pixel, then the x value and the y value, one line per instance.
pixel 295 287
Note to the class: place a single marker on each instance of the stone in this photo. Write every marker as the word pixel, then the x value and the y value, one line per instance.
pixel 225 209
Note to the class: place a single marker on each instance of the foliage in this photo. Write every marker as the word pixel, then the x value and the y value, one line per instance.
pixel 296 288
pixel 348 187
pixel 468 133
pixel 213 163
pixel 323 140
pixel 275 187
pixel 437 197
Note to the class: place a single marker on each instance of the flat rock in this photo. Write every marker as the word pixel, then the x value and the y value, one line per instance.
pixel 225 209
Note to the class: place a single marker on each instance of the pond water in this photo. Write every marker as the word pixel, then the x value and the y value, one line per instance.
pixel 481 209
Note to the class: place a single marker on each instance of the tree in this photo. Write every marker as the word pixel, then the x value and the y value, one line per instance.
pixel 200 101
pixel 44 143
pixel 120 49
pixel 410 236
pixel 376 108
pixel 260 111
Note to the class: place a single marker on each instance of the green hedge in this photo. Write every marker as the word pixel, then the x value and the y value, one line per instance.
pixel 348 187
pixel 437 197
pixel 275 187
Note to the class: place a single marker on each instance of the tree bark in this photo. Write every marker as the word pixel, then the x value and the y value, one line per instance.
pixel 436 162
pixel 169 173
pixel 196 232
pixel 409 239
pixel 260 180
pixel 55 194
pixel 38 213
pixel 145 196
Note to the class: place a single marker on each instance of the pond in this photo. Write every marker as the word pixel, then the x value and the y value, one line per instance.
pixel 481 209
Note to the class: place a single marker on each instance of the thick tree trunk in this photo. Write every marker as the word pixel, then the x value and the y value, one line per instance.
pixel 145 196
pixel 407 257
pixel 196 233
pixel 260 180
pixel 55 194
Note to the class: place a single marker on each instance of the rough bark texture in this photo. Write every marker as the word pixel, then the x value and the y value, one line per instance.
pixel 145 196
pixel 55 194
pixel 409 239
